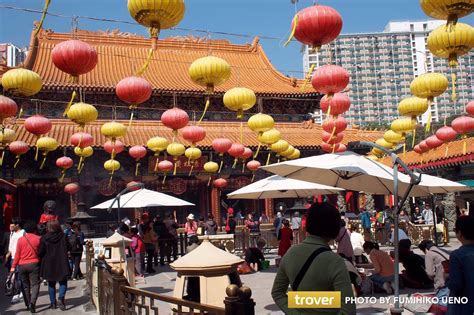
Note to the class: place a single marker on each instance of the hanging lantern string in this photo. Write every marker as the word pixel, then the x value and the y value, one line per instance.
pixel 69 104
pixel 308 77
pixel 413 140
pixel 137 167
pixel 206 106
pixel 144 67
pixel 43 16
pixel 258 150
pixel 175 167
pixel 2 157
pixel 268 157
pixel 209 180
pixel 63 174
pixel 428 122
pixel 17 161
pixel 164 179
pixel 44 161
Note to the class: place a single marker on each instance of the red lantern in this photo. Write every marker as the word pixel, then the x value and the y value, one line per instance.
pixel 329 148
pixel 137 151
pixel 74 57
pixel 236 150
pixel 220 183
pixel 470 108
pixel 18 147
pixel 463 124
pixel 246 154
pixel 113 148
pixel 253 165
pixel 193 134
pixel 64 162
pixel 165 166
pixel 336 138
pixel 82 139
pixel 423 146
pixel 133 186
pixel 37 125
pixel 341 148
pixel 175 118
pixel 8 107
pixel 133 90
pixel 335 125
pixel 330 79
pixel 446 134
pixel 71 188
pixel 221 145
pixel 336 104
pixel 317 25
pixel 433 142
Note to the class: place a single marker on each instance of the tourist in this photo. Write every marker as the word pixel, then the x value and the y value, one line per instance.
pixel 6 241
pixel 253 227
pixel 28 262
pixel 461 260
pixel 439 210
pixel 48 212
pixel 384 269
pixel 417 216
pixel 201 230
pixel 171 225
pixel 263 219
pixel 414 276
pixel 364 217
pixel 357 242
pixel 254 255
pixel 124 230
pixel 435 262
pixel 343 240
pixel 277 223
pixel 138 248
pixel 193 243
pixel 427 214
pixel 76 241
pixel 210 225
pixel 356 279
pixel 322 226
pixel 296 226
pixel 163 236
pixel 401 234
pixel 54 250
pixel 231 224
pixel 18 232
pixel 190 227
pixel 285 237
pixel 403 216
pixel 150 238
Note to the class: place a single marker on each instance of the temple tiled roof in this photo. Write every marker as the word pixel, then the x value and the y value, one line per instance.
pixel 438 158
pixel 121 54
pixel 300 135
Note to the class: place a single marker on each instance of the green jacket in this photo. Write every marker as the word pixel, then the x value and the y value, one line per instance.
pixel 327 273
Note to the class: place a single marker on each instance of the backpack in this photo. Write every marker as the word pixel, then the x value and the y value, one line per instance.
pixel 75 242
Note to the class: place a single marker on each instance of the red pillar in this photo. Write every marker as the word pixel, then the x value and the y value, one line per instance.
pixel 215 204
pixel 269 208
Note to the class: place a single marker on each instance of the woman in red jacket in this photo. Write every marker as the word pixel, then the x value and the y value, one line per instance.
pixel 27 260
pixel 285 237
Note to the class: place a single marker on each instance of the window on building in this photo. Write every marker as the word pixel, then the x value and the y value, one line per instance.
pixel 425 26
pixel 412 28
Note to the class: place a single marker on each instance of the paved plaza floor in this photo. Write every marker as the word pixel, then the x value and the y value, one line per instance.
pixel 163 282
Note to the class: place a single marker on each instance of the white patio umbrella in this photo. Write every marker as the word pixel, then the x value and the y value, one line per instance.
pixel 281 187
pixel 437 185
pixel 347 170
pixel 144 198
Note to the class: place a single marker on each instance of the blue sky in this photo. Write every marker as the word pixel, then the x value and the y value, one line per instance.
pixel 251 17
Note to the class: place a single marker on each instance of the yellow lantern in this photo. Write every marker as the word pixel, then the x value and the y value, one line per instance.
pixel 451 42
pixel 413 106
pixel 429 85
pixel 239 100
pixel 113 130
pixel 295 155
pixel 211 167
pixel 260 123
pixel 46 144
pixel 376 152
pixel 382 142
pixel 112 165
pixel 7 135
pixel 175 150
pixel 21 82
pixel 83 154
pixel 288 152
pixel 450 10
pixel 403 125
pixel 279 146
pixel 156 14
pixel 157 144
pixel 82 113
pixel 192 154
pixel 393 137
pixel 372 157
pixel 269 137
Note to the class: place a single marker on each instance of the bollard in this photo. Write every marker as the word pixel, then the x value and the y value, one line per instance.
pixel 239 301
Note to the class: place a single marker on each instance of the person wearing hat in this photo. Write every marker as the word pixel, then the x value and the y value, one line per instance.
pixel 190 228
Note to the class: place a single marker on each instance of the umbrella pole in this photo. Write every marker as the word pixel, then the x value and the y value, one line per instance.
pixel 435 219
pixel 397 309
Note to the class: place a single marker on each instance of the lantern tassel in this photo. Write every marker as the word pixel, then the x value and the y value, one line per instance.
pixel 253 177
pixel 428 123
pixel 110 180
pixel 209 181
pixel 308 77
pixel 220 166
pixel 333 148
pixel 235 162
pixel 1 158
pixel 206 106
pixel 43 162
pixel 464 145
pixel 63 174
pixel 154 32
pixel 137 167
pixel 164 180
pixel 293 30
pixel 258 150
pixel 131 119
pixel 156 164
pixel 146 64
pixel 453 87
pixel 404 149
pixel 175 168
pixel 17 161
pixel 243 166
pixel 82 166
pixel 332 133
pixel 268 157
pixel 20 113
pixel 73 97
pixel 241 131
pixel 413 140
pixel 36 154
pixel 43 16
pixel 81 160
pixel 191 170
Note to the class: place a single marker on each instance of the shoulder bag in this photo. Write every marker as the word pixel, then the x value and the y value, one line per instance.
pixel 306 266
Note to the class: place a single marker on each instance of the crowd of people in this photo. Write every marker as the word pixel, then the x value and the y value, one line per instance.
pixel 43 252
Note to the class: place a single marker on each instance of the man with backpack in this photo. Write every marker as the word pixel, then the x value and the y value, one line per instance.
pixel 75 238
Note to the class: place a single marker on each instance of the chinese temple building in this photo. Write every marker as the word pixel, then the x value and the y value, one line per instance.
pixel 287 99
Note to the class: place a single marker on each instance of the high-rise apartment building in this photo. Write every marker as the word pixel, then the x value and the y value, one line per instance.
pixel 382 66
pixel 10 55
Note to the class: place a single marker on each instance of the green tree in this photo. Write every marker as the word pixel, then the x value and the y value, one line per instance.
pixel 341 203
pixel 369 202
